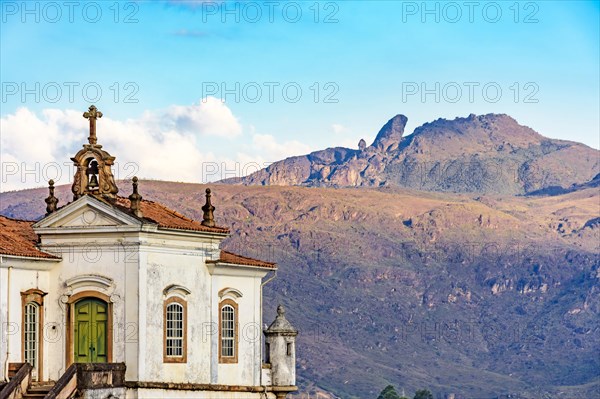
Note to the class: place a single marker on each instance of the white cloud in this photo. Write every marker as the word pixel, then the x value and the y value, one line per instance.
pixel 171 144
pixel 191 143
pixel 210 117
pixel 337 128
pixel 38 139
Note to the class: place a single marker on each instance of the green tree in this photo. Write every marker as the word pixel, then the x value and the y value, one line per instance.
pixel 423 394
pixel 389 392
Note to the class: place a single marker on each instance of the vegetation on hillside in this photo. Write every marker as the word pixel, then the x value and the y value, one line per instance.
pixel 478 295
pixel 389 392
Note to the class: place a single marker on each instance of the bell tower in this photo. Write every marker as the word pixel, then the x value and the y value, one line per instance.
pixel 93 173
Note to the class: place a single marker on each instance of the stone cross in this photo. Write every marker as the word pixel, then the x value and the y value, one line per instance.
pixel 92 114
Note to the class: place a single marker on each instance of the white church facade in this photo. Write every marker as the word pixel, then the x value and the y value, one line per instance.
pixel 113 297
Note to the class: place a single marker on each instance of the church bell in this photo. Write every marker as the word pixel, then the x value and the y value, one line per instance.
pixel 92 173
pixel 93 181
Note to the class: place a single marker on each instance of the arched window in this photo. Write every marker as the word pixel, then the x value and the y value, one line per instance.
pixel 32 302
pixel 31 330
pixel 175 331
pixel 228 331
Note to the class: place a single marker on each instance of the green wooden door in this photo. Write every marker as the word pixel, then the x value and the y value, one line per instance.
pixel 90 331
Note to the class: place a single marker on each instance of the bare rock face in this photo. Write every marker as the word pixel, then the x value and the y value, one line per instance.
pixel 488 154
pixel 362 144
pixel 390 135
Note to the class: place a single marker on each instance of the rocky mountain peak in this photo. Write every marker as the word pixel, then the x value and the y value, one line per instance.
pixel 388 138
pixel 491 154
pixel 362 144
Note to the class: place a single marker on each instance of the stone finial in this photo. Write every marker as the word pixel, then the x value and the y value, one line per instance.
pixel 92 115
pixel 135 199
pixel 51 201
pixel 208 218
pixel 281 324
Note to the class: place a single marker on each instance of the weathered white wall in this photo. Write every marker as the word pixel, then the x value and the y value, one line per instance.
pixel 104 393
pixel 178 261
pixel 141 263
pixel 23 276
pixel 164 394
pixel 3 319
pixel 283 366
pixel 3 324
pixel 247 370
pixel 92 254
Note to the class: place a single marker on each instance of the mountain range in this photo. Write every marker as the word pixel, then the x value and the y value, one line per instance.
pixel 476 287
pixel 490 154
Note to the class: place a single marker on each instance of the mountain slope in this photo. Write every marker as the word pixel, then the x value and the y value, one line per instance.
pixel 487 154
pixel 480 296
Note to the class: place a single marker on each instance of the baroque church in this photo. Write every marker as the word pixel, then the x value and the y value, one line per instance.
pixel 114 297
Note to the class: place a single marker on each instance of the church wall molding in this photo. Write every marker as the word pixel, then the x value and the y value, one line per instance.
pixel 234 270
pixel 204 387
pixel 89 280
pixel 95 206
pixel 88 294
pixel 28 263
pixel 88 285
pixel 229 292
pixel 177 290
pixel 192 233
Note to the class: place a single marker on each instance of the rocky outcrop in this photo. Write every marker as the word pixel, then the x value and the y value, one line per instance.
pixel 389 137
pixel 490 154
pixel 362 144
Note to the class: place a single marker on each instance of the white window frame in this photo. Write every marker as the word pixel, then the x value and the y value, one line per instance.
pixel 175 331
pixel 228 331
pixel 31 331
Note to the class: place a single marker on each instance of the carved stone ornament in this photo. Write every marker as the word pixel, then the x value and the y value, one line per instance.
pixel 93 172
pixel 135 199
pixel 51 200
pixel 115 298
pixel 208 218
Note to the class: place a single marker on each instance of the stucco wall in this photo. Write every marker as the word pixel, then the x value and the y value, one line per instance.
pixel 23 276
pixel 104 393
pixel 94 255
pixel 164 394
pixel 167 265
pixel 132 265
pixel 3 322
pixel 185 267
pixel 248 368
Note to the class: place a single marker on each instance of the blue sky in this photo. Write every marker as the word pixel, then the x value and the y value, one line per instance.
pixel 368 60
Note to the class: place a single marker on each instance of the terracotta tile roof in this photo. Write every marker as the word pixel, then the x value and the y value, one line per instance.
pixel 230 257
pixel 157 213
pixel 18 238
